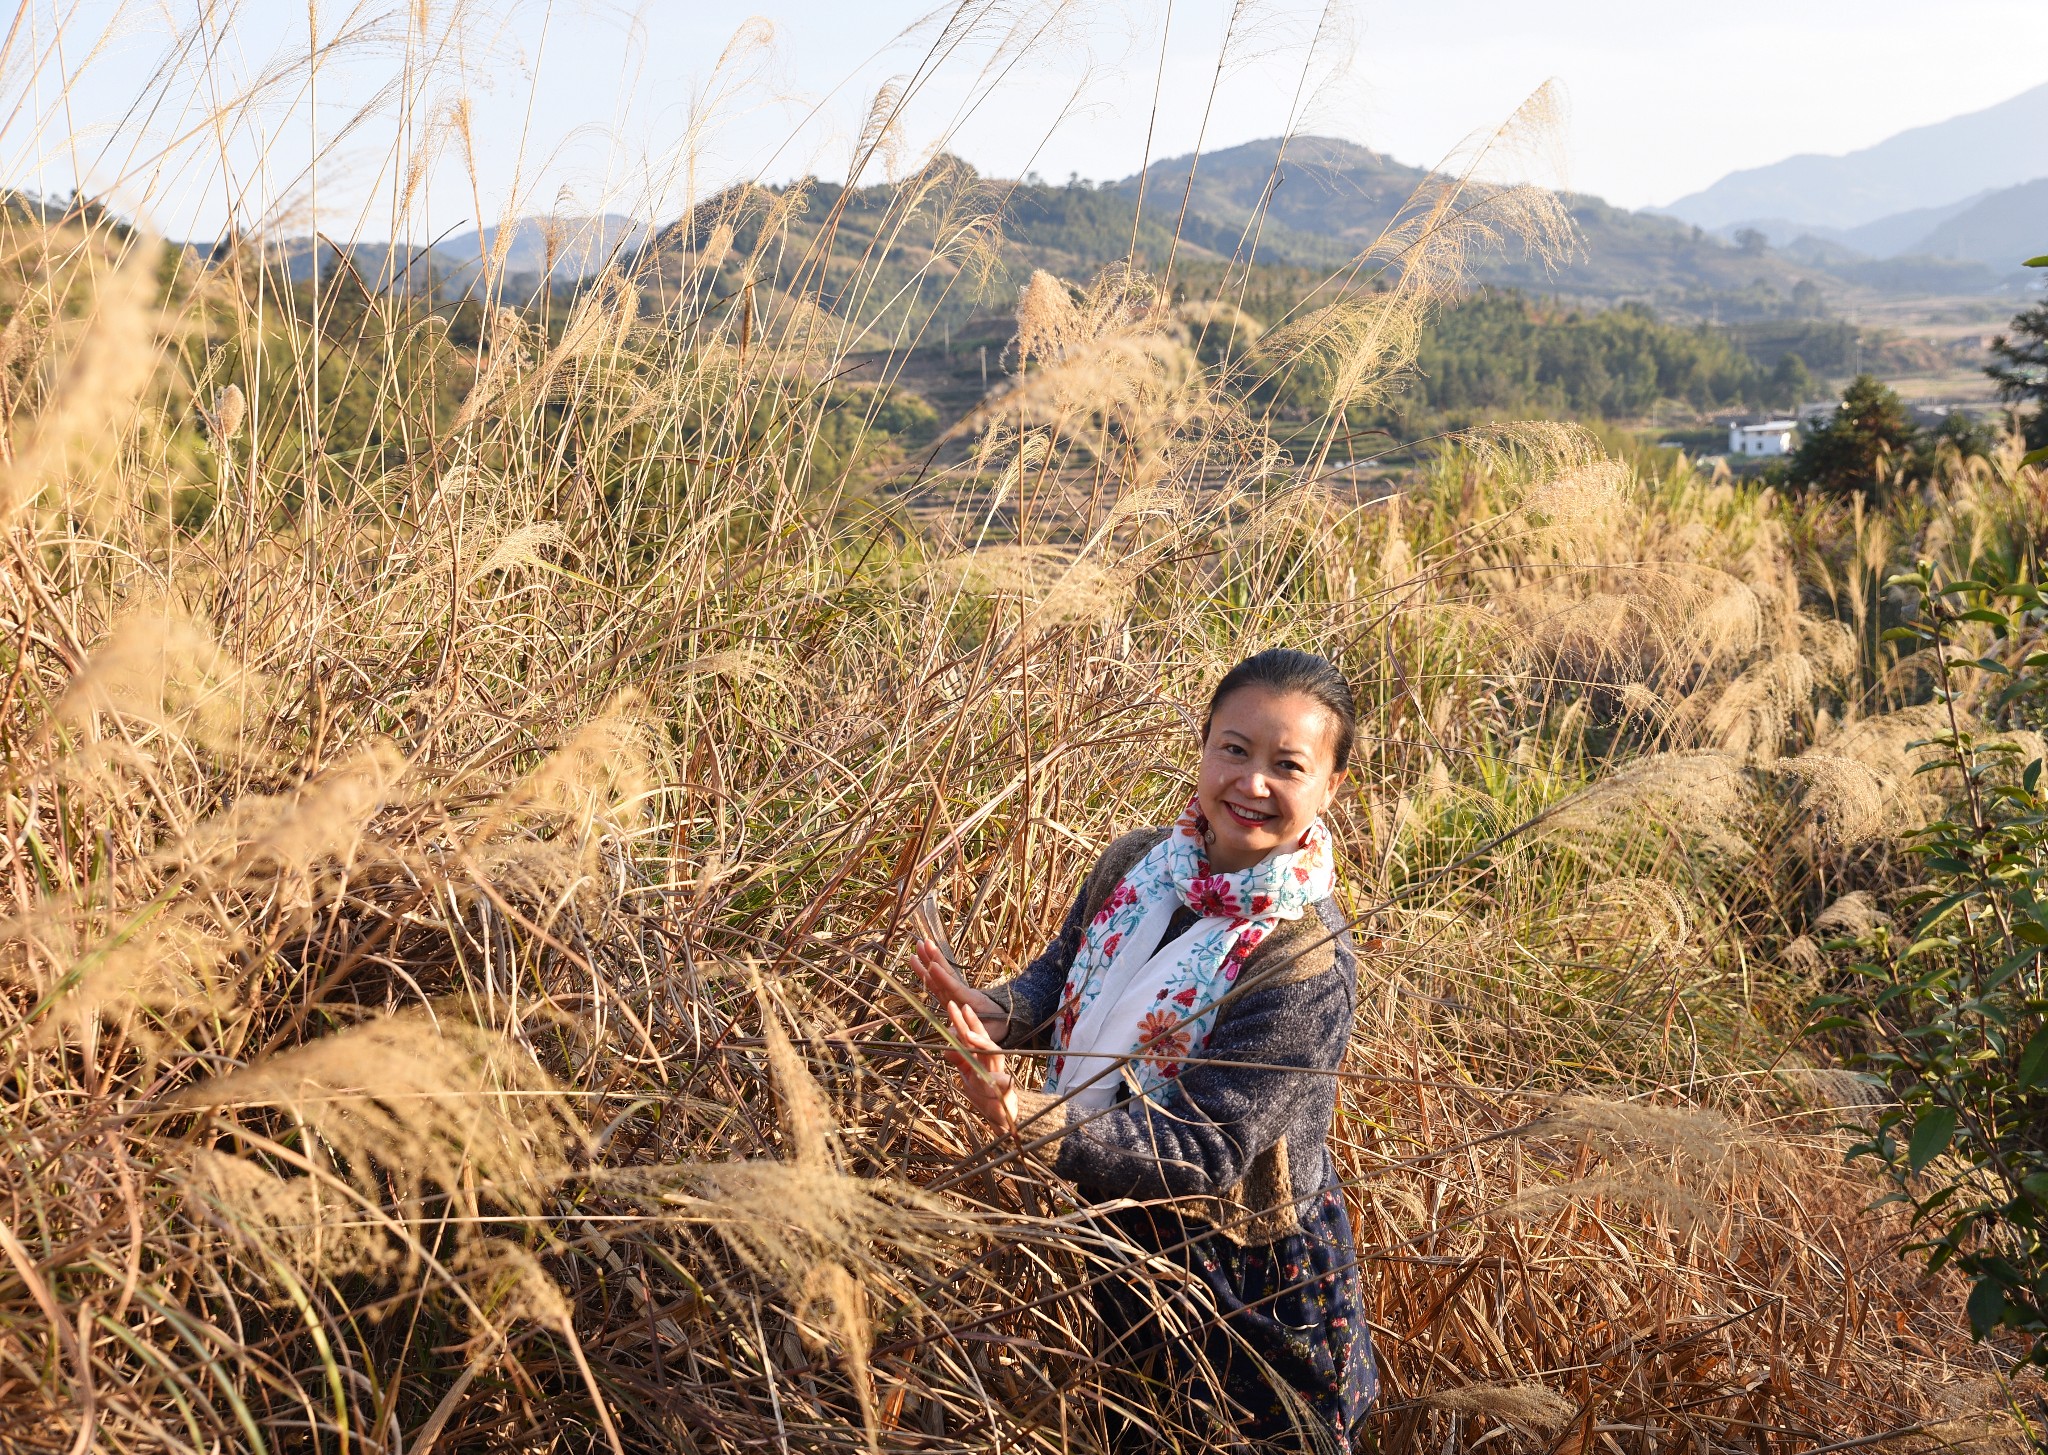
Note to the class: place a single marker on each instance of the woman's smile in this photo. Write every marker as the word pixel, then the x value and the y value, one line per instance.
pixel 1267 771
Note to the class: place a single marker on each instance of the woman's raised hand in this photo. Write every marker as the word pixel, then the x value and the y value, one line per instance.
pixel 982 1075
pixel 948 989
pixel 980 1023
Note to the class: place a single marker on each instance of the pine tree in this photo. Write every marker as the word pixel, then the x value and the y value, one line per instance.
pixel 2022 369
pixel 1856 450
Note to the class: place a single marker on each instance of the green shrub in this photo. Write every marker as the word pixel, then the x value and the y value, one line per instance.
pixel 1954 1015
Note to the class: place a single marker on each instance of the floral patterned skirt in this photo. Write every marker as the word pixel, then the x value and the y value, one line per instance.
pixel 1240 1347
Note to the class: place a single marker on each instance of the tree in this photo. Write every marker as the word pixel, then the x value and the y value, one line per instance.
pixel 1856 450
pixel 1971 437
pixel 2022 367
pixel 1791 381
pixel 1752 241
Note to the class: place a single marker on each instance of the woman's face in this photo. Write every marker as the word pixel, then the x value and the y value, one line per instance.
pixel 1268 771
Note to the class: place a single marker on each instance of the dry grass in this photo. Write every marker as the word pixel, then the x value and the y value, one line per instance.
pixel 457 887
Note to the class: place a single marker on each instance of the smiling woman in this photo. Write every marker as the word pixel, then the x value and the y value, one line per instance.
pixel 1275 747
pixel 1195 1005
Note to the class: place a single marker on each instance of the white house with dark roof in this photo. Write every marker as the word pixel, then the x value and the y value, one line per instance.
pixel 1771 437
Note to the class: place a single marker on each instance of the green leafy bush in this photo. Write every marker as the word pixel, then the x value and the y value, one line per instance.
pixel 1954 1015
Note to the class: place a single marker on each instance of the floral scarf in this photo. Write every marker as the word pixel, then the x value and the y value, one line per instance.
pixel 1115 1003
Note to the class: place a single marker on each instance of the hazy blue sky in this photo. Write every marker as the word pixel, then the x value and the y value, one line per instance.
pixel 584 102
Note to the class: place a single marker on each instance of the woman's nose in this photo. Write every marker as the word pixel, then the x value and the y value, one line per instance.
pixel 1255 784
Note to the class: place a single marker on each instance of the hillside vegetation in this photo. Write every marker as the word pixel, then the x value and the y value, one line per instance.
pixel 1605 320
pixel 1312 202
pixel 1321 200
pixel 468 768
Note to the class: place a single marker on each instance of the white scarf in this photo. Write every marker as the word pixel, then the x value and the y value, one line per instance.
pixel 1157 1011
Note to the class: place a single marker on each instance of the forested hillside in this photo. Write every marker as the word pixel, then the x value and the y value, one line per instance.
pixel 935 265
pixel 1327 199
pixel 1318 204
pixel 1630 315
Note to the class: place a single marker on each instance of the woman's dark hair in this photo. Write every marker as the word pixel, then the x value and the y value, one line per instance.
pixel 1282 669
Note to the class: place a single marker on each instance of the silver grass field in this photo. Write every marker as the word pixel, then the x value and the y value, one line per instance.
pixel 465 792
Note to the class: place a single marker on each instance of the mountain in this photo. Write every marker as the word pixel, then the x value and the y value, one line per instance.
pixel 567 247
pixel 378 265
pixel 1329 198
pixel 1928 166
pixel 1887 237
pixel 2000 229
pixel 1309 209
pixel 1994 229
pixel 1901 232
pixel 1333 197
pixel 1313 207
pixel 582 246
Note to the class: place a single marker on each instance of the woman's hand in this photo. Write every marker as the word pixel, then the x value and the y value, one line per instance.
pixel 980 1023
pixel 982 1075
pixel 948 989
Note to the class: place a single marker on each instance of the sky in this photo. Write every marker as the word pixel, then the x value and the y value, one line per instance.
pixel 587 105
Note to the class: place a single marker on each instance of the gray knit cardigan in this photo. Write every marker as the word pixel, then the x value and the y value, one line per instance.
pixel 1240 1138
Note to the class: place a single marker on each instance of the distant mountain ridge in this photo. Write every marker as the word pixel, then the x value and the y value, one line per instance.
pixel 1996 229
pixel 2000 229
pixel 569 247
pixel 1318 202
pixel 1887 237
pixel 1925 167
pixel 1330 198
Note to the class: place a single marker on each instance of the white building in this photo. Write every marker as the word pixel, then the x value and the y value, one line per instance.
pixel 1772 437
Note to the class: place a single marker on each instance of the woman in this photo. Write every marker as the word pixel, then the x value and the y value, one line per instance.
pixel 1195 1006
